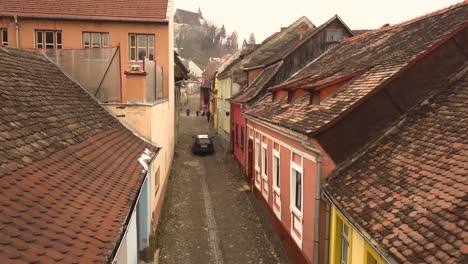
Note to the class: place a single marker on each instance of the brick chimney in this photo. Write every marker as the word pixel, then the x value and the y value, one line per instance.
pixel 135 88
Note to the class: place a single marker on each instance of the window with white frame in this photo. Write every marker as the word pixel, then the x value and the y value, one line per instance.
pixel 140 46
pixel 48 39
pixel 276 170
pixel 344 237
pixel 4 36
pixel 257 155
pixel 264 160
pixel 95 40
pixel 297 188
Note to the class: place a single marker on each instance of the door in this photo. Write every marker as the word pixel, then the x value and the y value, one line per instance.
pixel 250 160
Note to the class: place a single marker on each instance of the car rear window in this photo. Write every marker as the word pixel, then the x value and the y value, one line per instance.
pixel 204 141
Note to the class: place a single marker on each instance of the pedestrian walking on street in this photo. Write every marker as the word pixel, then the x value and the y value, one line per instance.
pixel 187 111
pixel 197 112
pixel 208 115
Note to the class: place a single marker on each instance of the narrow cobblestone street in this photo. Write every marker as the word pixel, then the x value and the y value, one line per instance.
pixel 208 217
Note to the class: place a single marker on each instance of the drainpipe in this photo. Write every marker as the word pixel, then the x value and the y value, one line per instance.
pixel 306 145
pixel 17 30
pixel 327 232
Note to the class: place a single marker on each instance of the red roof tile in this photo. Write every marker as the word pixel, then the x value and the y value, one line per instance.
pixel 69 171
pixel 137 10
pixel 409 190
pixel 384 53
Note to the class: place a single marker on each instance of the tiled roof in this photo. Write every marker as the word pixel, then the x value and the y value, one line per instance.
pixel 136 10
pixel 208 73
pixel 186 17
pixel 69 171
pixel 271 50
pixel 236 58
pixel 254 89
pixel 410 190
pixel 382 53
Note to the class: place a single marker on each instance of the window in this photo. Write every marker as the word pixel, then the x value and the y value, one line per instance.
pixel 265 160
pixel 298 191
pixel 314 98
pixel 334 35
pixel 48 39
pixel 141 46
pixel 344 238
pixel 4 37
pixel 95 40
pixel 276 169
pixel 257 155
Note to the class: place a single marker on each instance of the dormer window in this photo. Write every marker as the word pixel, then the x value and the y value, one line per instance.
pixel 290 96
pixel 314 98
pixel 274 95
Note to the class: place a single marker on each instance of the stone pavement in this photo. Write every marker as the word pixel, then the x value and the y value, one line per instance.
pixel 208 217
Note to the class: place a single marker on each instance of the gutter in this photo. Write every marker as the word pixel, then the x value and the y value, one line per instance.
pixel 15 17
pixel 92 18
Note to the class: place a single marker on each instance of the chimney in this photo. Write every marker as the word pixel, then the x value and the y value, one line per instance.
pixel 135 87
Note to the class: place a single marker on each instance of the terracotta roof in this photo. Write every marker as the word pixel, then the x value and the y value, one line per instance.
pixel 69 171
pixel 271 50
pixel 256 87
pixel 236 58
pixel 137 10
pixel 382 54
pixel 410 190
pixel 209 72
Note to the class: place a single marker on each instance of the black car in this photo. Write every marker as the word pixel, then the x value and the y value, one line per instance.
pixel 202 144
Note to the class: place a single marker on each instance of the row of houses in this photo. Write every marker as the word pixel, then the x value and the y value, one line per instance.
pixel 356 143
pixel 87 128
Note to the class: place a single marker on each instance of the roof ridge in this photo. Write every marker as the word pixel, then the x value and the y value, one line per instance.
pixel 407 22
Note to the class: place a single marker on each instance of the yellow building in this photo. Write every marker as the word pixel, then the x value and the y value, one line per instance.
pixel 215 101
pixel 347 246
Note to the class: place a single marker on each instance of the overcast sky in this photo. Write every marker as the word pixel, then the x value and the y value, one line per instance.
pixel 264 17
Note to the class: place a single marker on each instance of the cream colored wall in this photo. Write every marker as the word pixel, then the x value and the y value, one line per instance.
pixel 224 93
pixel 155 122
pixel 118 35
pixel 135 116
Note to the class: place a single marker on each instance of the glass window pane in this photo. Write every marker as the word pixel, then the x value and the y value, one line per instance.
pixel 96 39
pixel 150 41
pixel 132 41
pixel 86 40
pixel 105 39
pixel 298 190
pixel 4 37
pixel 59 38
pixel 142 41
pixel 49 39
pixel 151 54
pixel 141 53
pixel 132 54
pixel 39 39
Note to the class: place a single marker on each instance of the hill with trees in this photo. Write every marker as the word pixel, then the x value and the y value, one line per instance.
pixel 199 40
